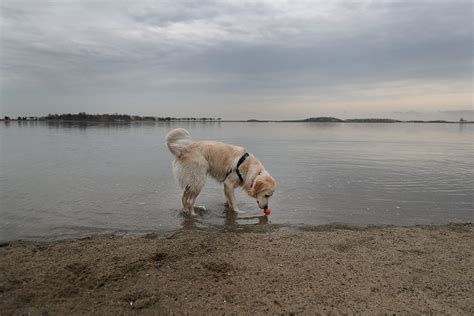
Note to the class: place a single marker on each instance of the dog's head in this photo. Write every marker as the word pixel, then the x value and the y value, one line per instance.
pixel 263 188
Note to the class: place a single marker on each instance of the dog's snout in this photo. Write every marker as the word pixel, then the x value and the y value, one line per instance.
pixel 262 206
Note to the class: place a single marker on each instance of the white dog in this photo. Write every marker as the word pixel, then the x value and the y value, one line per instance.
pixel 226 163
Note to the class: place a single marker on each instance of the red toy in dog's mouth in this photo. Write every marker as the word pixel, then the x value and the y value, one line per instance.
pixel 267 211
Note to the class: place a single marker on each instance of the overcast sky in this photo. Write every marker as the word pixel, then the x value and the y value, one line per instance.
pixel 236 59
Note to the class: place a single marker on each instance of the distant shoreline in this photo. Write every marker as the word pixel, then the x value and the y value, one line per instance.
pixel 126 118
pixel 240 121
pixel 311 120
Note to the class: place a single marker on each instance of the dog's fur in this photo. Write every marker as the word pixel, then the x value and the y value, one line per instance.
pixel 197 159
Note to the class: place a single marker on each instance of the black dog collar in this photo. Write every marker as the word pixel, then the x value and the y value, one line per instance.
pixel 241 161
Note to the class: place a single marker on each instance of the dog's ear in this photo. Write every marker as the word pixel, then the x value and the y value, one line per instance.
pixel 258 187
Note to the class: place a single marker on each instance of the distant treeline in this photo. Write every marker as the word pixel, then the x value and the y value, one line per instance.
pixel 82 116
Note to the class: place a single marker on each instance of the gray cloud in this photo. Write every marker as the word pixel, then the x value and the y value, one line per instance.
pixel 207 57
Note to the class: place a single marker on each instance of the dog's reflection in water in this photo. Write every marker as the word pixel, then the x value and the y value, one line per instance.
pixel 231 219
pixel 193 222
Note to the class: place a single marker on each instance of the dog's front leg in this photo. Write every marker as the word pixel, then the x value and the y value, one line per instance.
pixel 230 196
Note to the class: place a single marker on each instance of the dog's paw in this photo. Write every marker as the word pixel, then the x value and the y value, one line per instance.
pixel 189 212
pixel 239 211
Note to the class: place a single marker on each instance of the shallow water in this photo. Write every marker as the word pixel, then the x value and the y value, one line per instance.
pixel 69 180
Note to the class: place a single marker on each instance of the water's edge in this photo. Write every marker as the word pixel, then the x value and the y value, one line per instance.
pixel 256 228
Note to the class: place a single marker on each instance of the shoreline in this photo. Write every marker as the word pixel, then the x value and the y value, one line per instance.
pixel 332 268
pixel 350 121
pixel 263 226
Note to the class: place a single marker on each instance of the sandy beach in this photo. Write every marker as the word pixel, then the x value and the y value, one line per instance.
pixel 420 269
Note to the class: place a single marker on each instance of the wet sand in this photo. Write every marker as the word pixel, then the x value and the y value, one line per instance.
pixel 421 269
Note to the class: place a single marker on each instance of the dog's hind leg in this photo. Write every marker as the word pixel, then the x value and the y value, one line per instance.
pixel 187 201
pixel 189 197
pixel 192 178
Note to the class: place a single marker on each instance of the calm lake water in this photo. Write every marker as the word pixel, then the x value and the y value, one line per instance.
pixel 70 180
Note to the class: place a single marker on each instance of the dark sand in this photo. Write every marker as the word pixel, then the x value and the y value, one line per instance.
pixel 425 269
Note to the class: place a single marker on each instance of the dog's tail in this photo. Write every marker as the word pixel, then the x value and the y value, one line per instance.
pixel 177 140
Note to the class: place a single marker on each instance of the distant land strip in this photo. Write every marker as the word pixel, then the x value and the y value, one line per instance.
pixel 125 118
